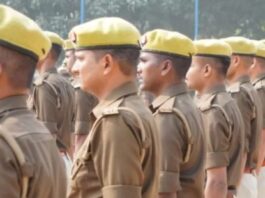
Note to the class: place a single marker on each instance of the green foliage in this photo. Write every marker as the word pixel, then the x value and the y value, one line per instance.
pixel 217 18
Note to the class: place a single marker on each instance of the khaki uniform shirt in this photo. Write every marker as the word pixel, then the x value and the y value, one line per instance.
pixel 224 130
pixel 186 178
pixel 53 98
pixel 259 84
pixel 120 157
pixel 250 106
pixel 83 106
pixel 43 166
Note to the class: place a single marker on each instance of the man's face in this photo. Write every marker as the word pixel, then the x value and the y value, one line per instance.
pixel 88 69
pixel 149 71
pixel 194 76
pixel 69 60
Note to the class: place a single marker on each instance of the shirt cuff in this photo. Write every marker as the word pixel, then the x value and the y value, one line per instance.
pixel 51 126
pixel 217 159
pixel 82 127
pixel 121 191
pixel 169 182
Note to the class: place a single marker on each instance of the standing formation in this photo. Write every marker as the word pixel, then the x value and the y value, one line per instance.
pixel 84 131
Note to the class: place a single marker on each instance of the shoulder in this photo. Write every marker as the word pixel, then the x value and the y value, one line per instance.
pixel 260 84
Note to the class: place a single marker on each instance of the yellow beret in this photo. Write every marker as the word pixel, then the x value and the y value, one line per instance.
pixel 260 45
pixel 163 41
pixel 68 45
pixel 105 33
pixel 212 47
pixel 241 45
pixel 22 34
pixel 54 38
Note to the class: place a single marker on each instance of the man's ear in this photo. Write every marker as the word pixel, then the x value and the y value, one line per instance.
pixel 235 60
pixel 207 70
pixel 107 62
pixel 166 67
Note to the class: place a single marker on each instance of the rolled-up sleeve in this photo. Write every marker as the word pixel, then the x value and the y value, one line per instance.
pixel 217 135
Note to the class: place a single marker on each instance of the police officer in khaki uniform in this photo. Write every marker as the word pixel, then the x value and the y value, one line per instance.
pixel 53 96
pixel 257 72
pixel 164 61
pixel 249 104
pixel 120 157
pixel 69 59
pixel 222 118
pixel 84 101
pixel 30 164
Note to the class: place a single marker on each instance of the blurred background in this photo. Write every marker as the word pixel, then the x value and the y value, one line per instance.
pixel 195 18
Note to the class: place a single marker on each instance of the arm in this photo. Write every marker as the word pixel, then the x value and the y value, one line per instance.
pixel 84 104
pixel 217 158
pixel 216 185
pixel 9 173
pixel 116 152
pixel 261 151
pixel 45 103
pixel 172 136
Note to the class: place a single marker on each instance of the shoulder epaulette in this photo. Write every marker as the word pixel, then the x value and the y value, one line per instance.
pixel 40 80
pixel 260 84
pixel 207 104
pixel 234 88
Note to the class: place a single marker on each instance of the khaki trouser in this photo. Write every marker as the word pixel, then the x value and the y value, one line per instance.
pixel 248 187
pixel 261 183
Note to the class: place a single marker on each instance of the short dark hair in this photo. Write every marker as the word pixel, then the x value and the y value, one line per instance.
pixel 222 64
pixel 56 51
pixel 19 68
pixel 180 64
pixel 127 57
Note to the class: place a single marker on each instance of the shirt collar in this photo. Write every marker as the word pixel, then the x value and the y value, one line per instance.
pixel 259 77
pixel 171 91
pixel 124 90
pixel 13 102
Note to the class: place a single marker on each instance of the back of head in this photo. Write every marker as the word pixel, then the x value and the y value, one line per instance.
pixel 57 44
pixel 19 56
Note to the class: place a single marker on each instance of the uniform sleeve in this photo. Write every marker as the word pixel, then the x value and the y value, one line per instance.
pixel 217 136
pixel 246 108
pixel 117 159
pixel 9 182
pixel 171 133
pixel 261 93
pixel 45 104
pixel 84 104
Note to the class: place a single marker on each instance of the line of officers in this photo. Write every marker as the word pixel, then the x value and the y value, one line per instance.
pixel 209 142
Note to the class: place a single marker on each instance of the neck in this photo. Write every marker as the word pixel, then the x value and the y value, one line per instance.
pixel 46 66
pixel 164 86
pixel 111 85
pixel 258 71
pixel 7 92
pixel 209 85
